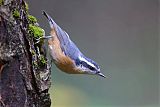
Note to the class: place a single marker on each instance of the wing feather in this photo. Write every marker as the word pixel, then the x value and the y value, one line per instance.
pixel 67 46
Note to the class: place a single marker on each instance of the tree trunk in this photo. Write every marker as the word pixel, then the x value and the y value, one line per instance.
pixel 24 68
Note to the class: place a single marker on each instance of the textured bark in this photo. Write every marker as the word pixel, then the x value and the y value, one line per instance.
pixel 22 84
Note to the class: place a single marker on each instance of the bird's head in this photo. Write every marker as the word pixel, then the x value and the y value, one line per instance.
pixel 88 66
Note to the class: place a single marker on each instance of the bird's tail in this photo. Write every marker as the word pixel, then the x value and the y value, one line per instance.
pixel 51 21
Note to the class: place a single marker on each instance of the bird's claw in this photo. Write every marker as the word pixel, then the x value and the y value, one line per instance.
pixel 45 37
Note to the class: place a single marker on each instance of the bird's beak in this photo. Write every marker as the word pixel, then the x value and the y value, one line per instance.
pixel 100 74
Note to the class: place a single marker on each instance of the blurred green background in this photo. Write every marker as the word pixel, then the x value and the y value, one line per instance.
pixel 120 35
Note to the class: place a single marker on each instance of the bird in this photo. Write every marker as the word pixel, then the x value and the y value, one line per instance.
pixel 66 55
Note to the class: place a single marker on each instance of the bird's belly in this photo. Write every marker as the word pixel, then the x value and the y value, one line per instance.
pixel 52 52
pixel 67 68
pixel 63 62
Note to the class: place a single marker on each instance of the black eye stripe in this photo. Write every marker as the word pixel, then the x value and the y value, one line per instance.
pixel 87 65
pixel 84 64
pixel 92 68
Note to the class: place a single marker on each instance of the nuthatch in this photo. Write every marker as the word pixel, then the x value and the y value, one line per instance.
pixel 65 54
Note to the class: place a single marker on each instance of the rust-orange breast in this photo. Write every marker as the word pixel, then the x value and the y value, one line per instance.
pixel 62 62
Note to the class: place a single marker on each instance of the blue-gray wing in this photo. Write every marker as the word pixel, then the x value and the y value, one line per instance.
pixel 67 46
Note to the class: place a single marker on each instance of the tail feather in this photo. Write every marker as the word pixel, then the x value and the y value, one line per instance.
pixel 61 34
pixel 51 21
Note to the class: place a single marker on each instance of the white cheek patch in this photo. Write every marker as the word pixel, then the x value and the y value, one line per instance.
pixel 89 63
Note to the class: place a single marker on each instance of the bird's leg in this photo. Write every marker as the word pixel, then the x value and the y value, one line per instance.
pixel 44 37
pixel 47 37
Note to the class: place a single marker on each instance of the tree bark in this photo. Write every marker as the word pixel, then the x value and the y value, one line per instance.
pixel 24 79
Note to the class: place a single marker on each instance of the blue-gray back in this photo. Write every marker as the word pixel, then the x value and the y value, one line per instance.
pixel 67 46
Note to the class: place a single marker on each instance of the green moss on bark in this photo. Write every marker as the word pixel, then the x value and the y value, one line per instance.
pixel 32 19
pixel 36 31
pixel 16 14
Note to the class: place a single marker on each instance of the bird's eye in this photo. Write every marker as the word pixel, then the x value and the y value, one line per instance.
pixel 91 68
pixel 84 64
